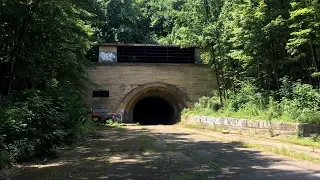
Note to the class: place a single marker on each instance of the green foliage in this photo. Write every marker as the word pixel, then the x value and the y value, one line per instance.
pixel 259 40
pixel 42 75
pixel 109 121
pixel 201 126
pixel 205 106
pixel 282 151
pixel 80 131
pixel 300 103
pixel 38 121
pixel 312 141
pixel 44 40
pixel 316 138
pixel 112 123
pixel 209 102
pixel 248 94
pixel 43 46
pixel 124 22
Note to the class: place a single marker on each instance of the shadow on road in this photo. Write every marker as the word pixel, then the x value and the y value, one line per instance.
pixel 160 153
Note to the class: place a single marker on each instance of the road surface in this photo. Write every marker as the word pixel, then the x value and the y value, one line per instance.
pixel 165 153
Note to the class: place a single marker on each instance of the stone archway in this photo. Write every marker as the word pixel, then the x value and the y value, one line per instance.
pixel 170 93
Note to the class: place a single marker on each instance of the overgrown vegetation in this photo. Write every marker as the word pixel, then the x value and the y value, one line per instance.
pixel 306 141
pixel 44 45
pixel 42 76
pixel 280 151
pixel 274 45
pixel 35 122
pixel 313 141
pixel 265 53
pixel 201 126
pixel 294 102
pixel 111 123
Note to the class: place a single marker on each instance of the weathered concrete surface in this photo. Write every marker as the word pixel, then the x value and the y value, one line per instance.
pixel 247 125
pixel 167 152
pixel 178 83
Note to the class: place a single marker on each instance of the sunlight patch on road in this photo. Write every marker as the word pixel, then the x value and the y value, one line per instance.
pixel 46 165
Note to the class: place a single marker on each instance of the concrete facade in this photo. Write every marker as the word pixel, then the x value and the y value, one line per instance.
pixel 127 83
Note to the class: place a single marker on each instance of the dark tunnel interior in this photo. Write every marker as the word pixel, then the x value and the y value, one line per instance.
pixel 153 111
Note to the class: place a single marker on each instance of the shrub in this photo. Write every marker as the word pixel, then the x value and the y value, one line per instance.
pixel 316 137
pixel 5 159
pixel 35 122
pixel 295 102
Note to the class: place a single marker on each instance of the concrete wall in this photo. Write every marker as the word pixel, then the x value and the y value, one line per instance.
pixel 257 126
pixel 121 78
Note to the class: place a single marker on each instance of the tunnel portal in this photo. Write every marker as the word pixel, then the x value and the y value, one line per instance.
pixel 125 74
pixel 153 111
pixel 153 103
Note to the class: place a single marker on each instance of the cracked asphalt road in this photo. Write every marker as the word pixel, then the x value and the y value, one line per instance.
pixel 165 153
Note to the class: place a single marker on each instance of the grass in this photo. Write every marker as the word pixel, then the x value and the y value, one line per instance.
pixel 147 144
pixel 120 128
pixel 251 114
pixel 171 147
pixel 145 138
pixel 276 150
pixel 201 126
pixel 186 177
pixel 280 151
pixel 120 133
pixel 303 141
pixel 213 164
pixel 239 115
pixel 114 124
pixel 223 114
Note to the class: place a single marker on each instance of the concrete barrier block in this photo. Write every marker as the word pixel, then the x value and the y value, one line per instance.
pixel 263 126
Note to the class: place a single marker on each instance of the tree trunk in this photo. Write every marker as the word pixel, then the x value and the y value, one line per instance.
pixel 216 69
pixel 315 60
pixel 218 82
pixel 17 45
pixel 314 56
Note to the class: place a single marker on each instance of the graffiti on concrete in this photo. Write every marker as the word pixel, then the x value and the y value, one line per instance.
pixel 108 56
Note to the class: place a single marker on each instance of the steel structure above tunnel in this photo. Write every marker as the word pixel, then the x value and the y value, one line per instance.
pixel 146 53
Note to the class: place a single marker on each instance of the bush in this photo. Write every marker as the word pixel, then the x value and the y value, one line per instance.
pixel 246 95
pixel 35 122
pixel 4 159
pixel 209 103
pixel 80 131
pixel 295 102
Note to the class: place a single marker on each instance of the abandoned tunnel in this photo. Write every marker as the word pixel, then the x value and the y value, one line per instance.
pixel 153 111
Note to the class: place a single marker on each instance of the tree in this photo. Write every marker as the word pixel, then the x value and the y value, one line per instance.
pixel 304 44
pixel 43 40
pixel 123 22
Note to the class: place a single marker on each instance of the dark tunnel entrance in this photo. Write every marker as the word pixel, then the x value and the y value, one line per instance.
pixel 153 111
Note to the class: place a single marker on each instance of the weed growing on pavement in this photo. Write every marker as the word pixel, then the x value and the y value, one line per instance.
pixel 280 151
pixel 147 145
pixel 304 141
pixel 201 126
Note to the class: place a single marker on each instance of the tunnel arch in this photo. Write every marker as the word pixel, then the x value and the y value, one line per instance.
pixel 170 93
pixel 153 110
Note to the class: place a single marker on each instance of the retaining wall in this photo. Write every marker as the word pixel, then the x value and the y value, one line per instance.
pixel 258 126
